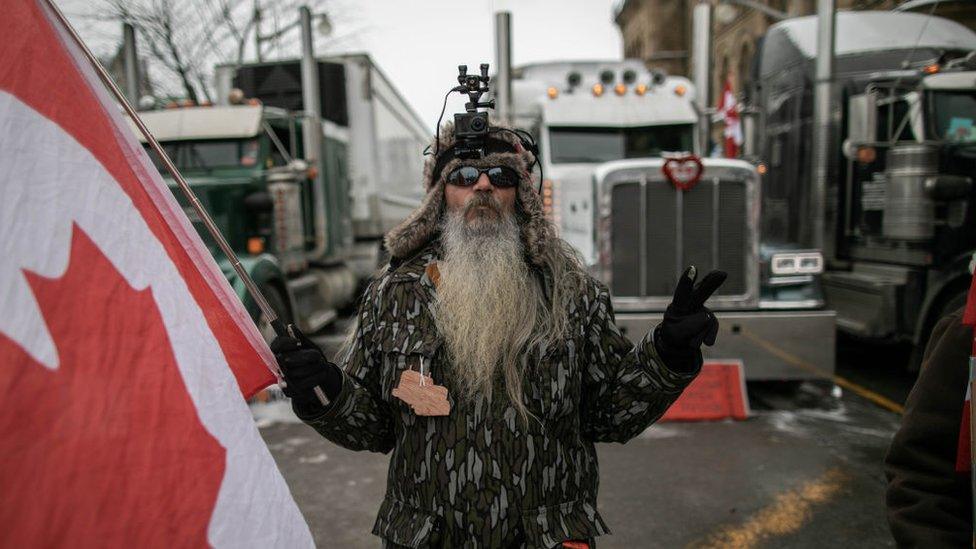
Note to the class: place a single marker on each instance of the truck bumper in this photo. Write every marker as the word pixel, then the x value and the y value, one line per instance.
pixel 773 345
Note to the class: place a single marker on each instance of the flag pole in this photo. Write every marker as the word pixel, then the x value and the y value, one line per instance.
pixel 208 222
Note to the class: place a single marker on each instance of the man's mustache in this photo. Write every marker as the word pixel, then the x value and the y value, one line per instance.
pixel 483 199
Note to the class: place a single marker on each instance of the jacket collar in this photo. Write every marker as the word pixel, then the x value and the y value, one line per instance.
pixel 414 268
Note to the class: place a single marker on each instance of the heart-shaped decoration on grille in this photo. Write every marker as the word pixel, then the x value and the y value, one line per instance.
pixel 683 171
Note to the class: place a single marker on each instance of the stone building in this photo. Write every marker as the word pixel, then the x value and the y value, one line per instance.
pixel 659 31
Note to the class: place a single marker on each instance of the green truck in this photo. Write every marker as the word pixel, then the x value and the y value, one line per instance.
pixel 307 228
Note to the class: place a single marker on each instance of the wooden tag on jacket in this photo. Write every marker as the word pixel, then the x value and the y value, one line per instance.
pixel 419 391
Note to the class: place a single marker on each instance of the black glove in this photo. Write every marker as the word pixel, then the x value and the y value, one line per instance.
pixel 304 367
pixel 687 322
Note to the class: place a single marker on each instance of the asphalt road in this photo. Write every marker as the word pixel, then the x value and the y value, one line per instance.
pixel 803 471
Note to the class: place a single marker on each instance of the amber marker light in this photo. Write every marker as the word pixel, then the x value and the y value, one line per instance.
pixel 866 155
pixel 547 196
pixel 931 69
pixel 620 89
pixel 552 92
pixel 597 90
pixel 680 90
pixel 641 89
pixel 761 168
pixel 255 245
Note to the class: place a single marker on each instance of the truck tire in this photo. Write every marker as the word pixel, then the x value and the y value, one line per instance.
pixel 279 305
pixel 949 306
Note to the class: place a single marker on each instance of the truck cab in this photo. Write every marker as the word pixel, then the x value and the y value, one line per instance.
pixel 606 131
pixel 244 164
pixel 910 141
pixel 899 227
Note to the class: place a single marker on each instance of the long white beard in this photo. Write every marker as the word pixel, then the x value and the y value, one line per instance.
pixel 488 302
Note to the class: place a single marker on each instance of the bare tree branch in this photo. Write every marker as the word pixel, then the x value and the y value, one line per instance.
pixel 182 40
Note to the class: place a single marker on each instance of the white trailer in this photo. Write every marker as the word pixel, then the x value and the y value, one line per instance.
pixel 386 143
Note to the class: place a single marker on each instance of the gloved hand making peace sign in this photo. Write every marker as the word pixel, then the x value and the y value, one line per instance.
pixel 687 322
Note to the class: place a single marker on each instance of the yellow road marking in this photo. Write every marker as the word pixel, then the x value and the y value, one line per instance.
pixel 860 390
pixel 786 515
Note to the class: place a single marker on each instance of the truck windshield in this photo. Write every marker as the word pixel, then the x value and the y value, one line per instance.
pixel 954 115
pixel 586 144
pixel 207 155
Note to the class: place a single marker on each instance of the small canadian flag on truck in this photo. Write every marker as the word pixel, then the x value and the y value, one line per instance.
pixel 728 107
pixel 125 357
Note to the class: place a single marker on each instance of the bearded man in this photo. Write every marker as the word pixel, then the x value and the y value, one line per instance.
pixel 482 301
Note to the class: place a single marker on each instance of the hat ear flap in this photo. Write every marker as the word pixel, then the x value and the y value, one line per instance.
pixel 537 231
pixel 419 227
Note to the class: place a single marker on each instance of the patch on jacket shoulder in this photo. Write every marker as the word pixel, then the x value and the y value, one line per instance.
pixel 433 273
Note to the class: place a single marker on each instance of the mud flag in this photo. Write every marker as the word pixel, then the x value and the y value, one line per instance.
pixel 123 351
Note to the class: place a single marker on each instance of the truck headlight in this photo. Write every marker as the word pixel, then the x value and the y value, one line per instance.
pixel 797 263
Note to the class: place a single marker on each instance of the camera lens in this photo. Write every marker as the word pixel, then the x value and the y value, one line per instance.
pixel 478 125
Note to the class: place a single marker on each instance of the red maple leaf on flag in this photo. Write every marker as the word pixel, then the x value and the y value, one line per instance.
pixel 107 449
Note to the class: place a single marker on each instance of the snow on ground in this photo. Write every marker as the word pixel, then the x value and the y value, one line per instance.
pixel 273 412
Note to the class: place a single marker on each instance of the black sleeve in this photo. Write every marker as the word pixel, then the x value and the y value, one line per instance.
pixel 929 503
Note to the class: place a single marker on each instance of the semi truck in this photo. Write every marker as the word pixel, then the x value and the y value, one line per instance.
pixel 606 132
pixel 307 226
pixel 899 221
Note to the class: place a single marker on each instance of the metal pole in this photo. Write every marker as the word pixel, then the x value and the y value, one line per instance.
pixel 821 121
pixel 130 59
pixel 701 67
pixel 503 61
pixel 257 31
pixel 310 89
pixel 312 127
pixel 252 288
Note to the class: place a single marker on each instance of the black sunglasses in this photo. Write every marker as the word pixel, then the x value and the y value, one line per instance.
pixel 502 177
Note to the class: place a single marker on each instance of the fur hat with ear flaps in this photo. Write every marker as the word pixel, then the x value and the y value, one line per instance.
pixel 423 225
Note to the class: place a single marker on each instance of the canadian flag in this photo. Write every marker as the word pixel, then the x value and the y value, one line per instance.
pixel 729 109
pixel 964 456
pixel 123 351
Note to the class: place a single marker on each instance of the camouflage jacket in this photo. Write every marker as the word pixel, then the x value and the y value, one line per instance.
pixel 481 477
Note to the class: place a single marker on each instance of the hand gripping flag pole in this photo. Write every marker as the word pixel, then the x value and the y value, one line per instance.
pixel 252 289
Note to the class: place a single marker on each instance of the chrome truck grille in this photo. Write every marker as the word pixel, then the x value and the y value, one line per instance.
pixel 649 232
